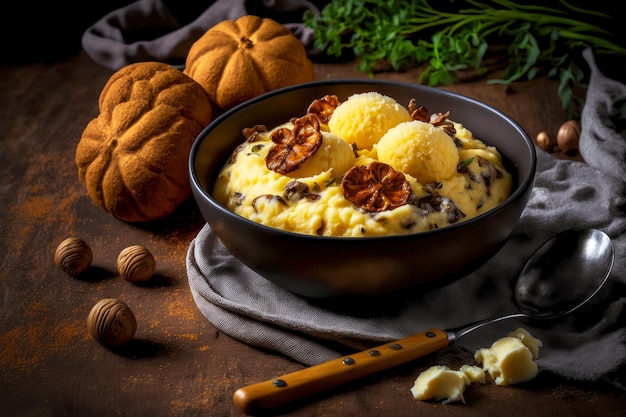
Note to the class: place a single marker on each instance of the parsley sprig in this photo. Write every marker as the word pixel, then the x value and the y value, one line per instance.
pixel 458 36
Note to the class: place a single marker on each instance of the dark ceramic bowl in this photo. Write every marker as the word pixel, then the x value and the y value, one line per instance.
pixel 318 266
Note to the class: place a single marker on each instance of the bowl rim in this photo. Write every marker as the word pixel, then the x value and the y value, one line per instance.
pixel 524 183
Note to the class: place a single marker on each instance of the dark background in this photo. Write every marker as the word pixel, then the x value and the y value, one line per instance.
pixel 40 30
pixel 32 31
pixel 46 31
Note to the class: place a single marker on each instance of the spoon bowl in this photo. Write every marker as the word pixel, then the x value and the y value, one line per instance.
pixel 564 273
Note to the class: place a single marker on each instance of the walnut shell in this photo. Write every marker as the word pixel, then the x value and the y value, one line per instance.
pixel 111 322
pixel 73 256
pixel 136 263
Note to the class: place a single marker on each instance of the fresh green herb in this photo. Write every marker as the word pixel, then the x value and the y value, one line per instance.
pixel 457 36
pixel 432 188
pixel 334 182
pixel 465 162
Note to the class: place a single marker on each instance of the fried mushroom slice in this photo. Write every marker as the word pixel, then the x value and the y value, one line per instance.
pixel 376 187
pixel 294 146
pixel 324 107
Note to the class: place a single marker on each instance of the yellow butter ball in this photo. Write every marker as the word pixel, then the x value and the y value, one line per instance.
pixel 365 117
pixel 419 149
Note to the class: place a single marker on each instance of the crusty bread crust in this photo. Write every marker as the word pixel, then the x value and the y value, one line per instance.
pixel 133 156
pixel 237 60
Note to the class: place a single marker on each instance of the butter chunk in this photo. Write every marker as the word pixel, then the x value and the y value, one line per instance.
pixel 528 340
pixel 510 360
pixel 474 373
pixel 440 383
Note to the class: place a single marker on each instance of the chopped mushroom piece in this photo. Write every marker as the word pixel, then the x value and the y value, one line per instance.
pixel 324 107
pixel 268 197
pixel 489 174
pixel 418 112
pixel 433 203
pixel 295 190
pixel 376 187
pixel 422 114
pixel 292 147
pixel 251 133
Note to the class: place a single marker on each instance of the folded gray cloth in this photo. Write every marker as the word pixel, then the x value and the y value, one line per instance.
pixel 588 345
pixel 146 30
pixel 604 144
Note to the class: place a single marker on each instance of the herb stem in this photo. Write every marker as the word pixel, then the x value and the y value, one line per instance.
pixel 403 33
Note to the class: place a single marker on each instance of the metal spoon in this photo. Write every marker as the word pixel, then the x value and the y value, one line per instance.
pixel 562 275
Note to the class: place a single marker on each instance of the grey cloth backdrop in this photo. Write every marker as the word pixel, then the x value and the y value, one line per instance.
pixel 147 30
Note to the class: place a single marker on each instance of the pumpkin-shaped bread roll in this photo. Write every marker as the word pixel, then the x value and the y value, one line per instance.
pixel 133 157
pixel 237 60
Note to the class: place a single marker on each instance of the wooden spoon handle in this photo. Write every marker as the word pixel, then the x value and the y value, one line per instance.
pixel 284 389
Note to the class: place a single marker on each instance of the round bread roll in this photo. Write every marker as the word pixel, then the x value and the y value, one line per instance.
pixel 133 156
pixel 237 60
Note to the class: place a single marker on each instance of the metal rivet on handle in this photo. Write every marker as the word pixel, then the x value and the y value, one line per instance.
pixel 279 383
pixel 349 361
pixel 430 334
pixel 374 352
pixel 395 346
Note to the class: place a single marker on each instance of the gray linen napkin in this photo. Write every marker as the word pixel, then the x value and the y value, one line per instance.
pixel 147 30
pixel 589 345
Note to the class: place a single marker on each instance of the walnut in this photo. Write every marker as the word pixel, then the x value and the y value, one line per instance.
pixel 136 263
pixel 568 136
pixel 292 147
pixel 73 256
pixel 376 187
pixel 111 322
pixel 324 107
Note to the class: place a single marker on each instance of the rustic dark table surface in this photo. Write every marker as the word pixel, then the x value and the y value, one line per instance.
pixel 178 364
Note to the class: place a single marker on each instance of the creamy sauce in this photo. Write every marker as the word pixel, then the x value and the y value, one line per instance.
pixel 478 182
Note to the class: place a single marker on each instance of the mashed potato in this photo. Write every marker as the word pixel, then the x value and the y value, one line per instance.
pixel 450 179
